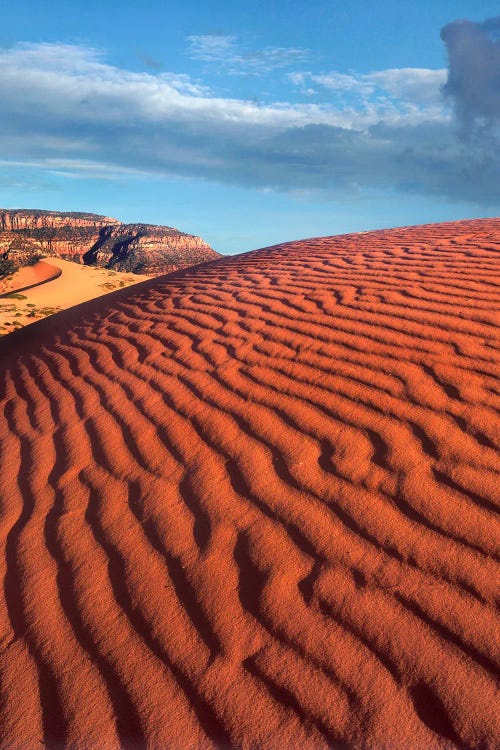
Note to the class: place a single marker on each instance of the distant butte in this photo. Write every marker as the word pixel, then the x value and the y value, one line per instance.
pixel 100 241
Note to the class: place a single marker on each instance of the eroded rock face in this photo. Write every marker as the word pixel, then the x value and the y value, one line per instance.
pixel 27 219
pixel 149 249
pixel 105 242
pixel 17 251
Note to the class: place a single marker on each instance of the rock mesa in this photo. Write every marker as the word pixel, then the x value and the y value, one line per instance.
pixel 99 241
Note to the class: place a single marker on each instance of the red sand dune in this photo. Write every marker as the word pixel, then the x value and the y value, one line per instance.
pixel 254 504
pixel 28 277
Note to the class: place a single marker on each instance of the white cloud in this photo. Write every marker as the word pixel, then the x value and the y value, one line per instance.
pixel 77 168
pixel 231 56
pixel 420 85
pixel 334 81
pixel 211 47
pixel 402 90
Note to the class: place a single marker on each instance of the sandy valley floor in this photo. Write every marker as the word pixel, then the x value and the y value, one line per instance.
pixel 61 284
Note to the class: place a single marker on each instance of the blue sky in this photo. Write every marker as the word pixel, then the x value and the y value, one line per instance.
pixel 252 123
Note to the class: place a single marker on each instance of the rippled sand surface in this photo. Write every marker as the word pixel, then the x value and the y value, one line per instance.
pixel 254 504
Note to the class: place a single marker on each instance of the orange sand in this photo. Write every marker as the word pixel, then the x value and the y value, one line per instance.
pixel 254 504
pixel 55 285
pixel 29 276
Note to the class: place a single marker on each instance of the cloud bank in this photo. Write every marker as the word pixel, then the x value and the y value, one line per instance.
pixel 64 109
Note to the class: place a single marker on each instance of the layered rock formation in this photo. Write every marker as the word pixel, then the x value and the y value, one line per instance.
pixel 17 251
pixel 27 219
pixel 146 248
pixel 101 241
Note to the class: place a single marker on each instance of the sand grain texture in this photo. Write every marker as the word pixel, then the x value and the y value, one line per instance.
pixel 254 504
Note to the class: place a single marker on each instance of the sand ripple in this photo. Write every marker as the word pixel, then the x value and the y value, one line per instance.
pixel 255 504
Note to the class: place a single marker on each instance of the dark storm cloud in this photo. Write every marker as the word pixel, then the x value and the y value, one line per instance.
pixel 474 71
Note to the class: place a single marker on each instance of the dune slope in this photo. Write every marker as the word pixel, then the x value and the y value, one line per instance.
pixel 254 504
pixel 54 285
pixel 28 277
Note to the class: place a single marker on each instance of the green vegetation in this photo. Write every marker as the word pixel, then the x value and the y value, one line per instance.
pixel 28 311
pixel 30 260
pixel 48 310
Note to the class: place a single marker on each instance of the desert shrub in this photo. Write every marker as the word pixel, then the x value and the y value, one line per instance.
pixel 6 267
pixel 31 259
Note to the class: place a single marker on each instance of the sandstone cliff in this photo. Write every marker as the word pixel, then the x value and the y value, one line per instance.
pixel 100 241
pixel 27 219
pixel 15 252
pixel 148 249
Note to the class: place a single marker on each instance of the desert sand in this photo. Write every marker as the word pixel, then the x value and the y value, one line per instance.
pixel 254 504
pixel 53 285
pixel 29 276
